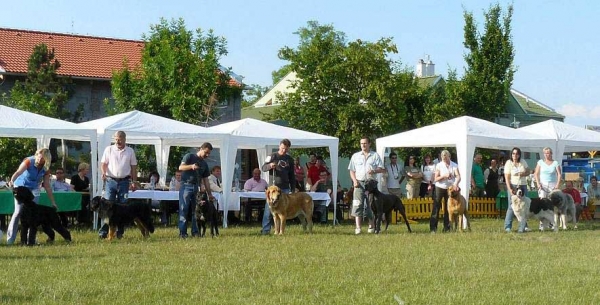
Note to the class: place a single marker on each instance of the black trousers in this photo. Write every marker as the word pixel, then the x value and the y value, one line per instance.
pixel 438 194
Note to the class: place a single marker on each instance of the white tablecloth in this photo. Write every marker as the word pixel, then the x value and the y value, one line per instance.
pixel 172 195
pixel 261 195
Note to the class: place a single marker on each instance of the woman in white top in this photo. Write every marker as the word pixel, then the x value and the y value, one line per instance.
pixel 446 174
pixel 428 169
pixel 515 174
pixel 547 174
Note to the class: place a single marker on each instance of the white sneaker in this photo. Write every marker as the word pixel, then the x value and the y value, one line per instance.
pixel 357 231
pixel 529 230
pixel 371 230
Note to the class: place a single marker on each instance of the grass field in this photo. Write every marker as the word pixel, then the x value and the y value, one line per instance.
pixel 330 266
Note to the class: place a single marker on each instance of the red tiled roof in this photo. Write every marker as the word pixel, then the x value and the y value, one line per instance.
pixel 79 56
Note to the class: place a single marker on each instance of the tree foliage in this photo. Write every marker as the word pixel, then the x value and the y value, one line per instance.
pixel 179 78
pixel 43 92
pixel 347 89
pixel 253 94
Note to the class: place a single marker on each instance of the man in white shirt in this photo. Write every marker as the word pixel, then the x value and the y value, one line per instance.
pixel 363 165
pixel 394 176
pixel 215 179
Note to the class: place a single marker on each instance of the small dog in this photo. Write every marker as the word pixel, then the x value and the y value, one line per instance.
pixel 537 208
pixel 33 215
pixel 457 208
pixel 563 205
pixel 383 205
pixel 288 206
pixel 122 214
pixel 206 210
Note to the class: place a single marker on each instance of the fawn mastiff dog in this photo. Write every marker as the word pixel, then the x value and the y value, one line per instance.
pixel 457 207
pixel 288 206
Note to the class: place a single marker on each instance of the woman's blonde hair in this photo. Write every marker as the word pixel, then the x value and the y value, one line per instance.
pixel 445 153
pixel 548 149
pixel 45 153
pixel 82 166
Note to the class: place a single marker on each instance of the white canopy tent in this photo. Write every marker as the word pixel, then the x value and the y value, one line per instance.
pixel 262 136
pixel 465 133
pixel 144 128
pixel 567 138
pixel 16 123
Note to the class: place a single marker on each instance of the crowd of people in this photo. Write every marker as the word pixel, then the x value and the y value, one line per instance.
pixel 432 178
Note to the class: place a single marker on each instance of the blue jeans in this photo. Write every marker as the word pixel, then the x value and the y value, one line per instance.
pixel 187 208
pixel 115 191
pixel 266 221
pixel 510 214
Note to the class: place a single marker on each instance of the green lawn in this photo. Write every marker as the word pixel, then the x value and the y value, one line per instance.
pixel 330 266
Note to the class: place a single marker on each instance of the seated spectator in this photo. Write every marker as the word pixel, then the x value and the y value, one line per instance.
pixel 157 184
pixel 312 162
pixel 593 190
pixel 60 185
pixel 323 185
pixel 256 184
pixel 81 183
pixel 215 179
pixel 569 189
pixel 175 182
pixel 314 171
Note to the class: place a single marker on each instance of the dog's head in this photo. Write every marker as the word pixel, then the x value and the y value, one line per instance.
pixel 349 195
pixel 519 192
pixel 23 195
pixel 557 197
pixel 273 193
pixel 454 191
pixel 370 185
pixel 201 205
pixel 103 206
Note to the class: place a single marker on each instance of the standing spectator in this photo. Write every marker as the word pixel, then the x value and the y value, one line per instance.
pixel 501 176
pixel 215 179
pixel 428 170
pixel 81 183
pixel 299 172
pixel 413 178
pixel 576 197
pixel 323 185
pixel 547 174
pixel 446 174
pixel 281 167
pixel 119 167
pixel 477 178
pixel 30 174
pixel 363 165
pixel 491 177
pixel 312 161
pixel 515 175
pixel 194 170
pixel 393 176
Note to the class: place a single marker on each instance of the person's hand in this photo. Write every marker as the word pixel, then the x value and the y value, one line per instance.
pixel 54 205
pixel 132 186
pixel 211 197
pixel 103 177
pixel 194 167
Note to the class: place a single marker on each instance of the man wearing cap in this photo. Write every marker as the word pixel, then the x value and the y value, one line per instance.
pixel 119 167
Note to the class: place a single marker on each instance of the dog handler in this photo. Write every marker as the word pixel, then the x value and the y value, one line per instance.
pixel 29 174
pixel 280 166
pixel 119 167
pixel 363 165
pixel 446 174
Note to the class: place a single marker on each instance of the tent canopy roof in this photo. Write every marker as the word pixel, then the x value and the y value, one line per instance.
pixel 574 138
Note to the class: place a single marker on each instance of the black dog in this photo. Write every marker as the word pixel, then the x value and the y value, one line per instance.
pixel 122 214
pixel 206 211
pixel 384 204
pixel 33 215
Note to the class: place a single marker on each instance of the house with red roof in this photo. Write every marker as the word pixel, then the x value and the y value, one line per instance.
pixel 89 61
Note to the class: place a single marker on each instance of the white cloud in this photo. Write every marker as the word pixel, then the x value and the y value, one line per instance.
pixel 583 111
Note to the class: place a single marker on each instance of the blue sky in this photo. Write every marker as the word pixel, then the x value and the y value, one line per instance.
pixel 556 42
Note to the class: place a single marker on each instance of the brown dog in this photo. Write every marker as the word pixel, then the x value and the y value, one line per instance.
pixel 457 208
pixel 288 206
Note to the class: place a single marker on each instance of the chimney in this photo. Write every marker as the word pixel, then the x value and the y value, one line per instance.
pixel 425 68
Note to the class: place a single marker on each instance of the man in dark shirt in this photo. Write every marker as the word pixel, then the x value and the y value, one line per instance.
pixel 194 170
pixel 280 166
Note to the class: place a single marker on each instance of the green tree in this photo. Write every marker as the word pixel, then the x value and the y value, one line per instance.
pixel 347 89
pixel 42 92
pixel 253 94
pixel 489 71
pixel 179 78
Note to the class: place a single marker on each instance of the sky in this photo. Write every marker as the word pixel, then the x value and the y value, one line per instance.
pixel 556 42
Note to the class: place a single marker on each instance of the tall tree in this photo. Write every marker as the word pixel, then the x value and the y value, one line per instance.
pixel 489 71
pixel 179 78
pixel 346 89
pixel 43 92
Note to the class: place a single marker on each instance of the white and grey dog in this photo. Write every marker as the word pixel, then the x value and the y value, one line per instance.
pixel 537 208
pixel 564 206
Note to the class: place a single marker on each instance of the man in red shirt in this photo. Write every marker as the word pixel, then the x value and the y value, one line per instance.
pixel 576 197
pixel 313 171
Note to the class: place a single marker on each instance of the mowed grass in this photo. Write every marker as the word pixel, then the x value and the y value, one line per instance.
pixel 330 266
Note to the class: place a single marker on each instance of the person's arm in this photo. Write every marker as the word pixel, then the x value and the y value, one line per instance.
pixel 133 177
pixel 559 177
pixel 314 187
pixel 48 189
pixel 457 177
pixel 353 178
pixel 20 170
pixel 536 176
pixel 207 188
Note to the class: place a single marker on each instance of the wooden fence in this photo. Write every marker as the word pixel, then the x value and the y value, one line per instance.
pixel 420 208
